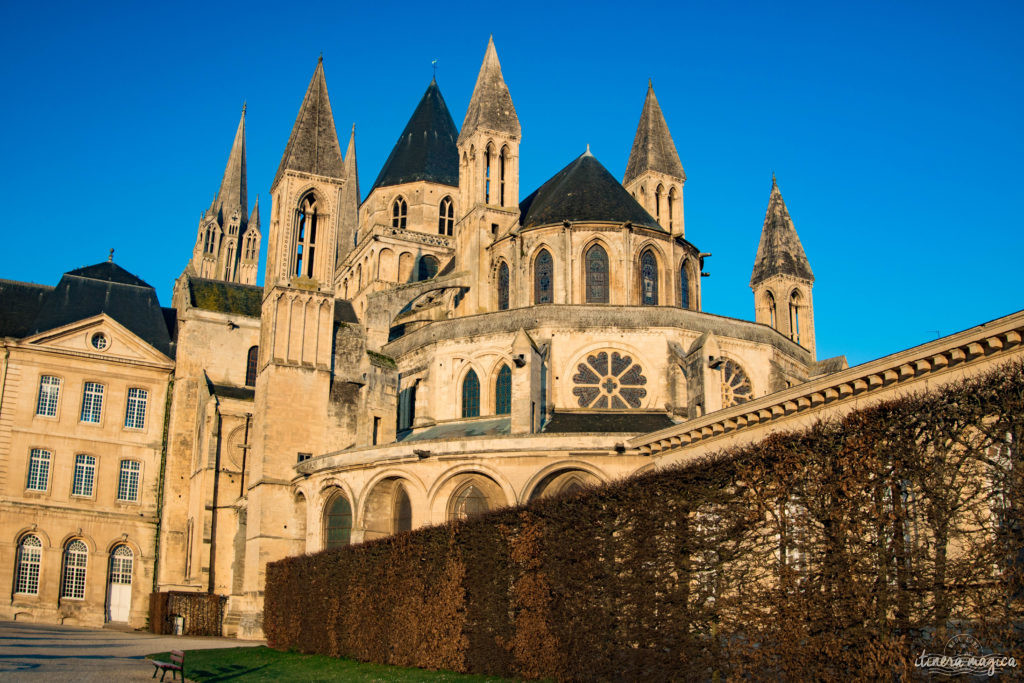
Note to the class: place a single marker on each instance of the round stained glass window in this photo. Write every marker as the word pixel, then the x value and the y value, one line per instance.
pixel 609 380
pixel 99 341
pixel 735 384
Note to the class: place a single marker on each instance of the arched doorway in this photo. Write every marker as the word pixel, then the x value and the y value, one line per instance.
pixel 119 592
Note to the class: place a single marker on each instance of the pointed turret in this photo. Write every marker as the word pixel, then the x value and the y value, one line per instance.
pixel 349 202
pixel 491 106
pixel 254 217
pixel 232 192
pixel 654 175
pixel 782 279
pixel 313 146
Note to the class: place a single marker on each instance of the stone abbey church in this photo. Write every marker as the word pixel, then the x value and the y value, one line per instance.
pixel 444 346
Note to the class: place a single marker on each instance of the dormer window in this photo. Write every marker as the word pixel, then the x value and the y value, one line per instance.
pixel 399 213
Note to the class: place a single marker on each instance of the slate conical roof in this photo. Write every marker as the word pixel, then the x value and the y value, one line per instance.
pixel 780 251
pixel 491 106
pixel 583 191
pixel 427 148
pixel 313 146
pixel 232 192
pixel 653 149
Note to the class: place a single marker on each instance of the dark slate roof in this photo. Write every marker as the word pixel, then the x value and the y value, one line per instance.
pixel 106 288
pixel 427 148
pixel 604 423
pixel 228 391
pixel 653 149
pixel 313 146
pixel 225 297
pixel 491 106
pixel 20 303
pixel 344 312
pixel 498 426
pixel 583 191
pixel 780 251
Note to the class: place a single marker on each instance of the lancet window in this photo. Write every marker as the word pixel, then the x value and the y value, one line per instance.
pixel 597 275
pixel 305 237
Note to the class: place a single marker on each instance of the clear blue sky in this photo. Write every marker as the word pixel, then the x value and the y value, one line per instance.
pixel 894 129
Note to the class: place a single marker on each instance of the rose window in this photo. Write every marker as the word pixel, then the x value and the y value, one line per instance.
pixel 609 380
pixel 735 384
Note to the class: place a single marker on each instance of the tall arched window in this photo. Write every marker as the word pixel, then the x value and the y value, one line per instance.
pixel 446 217
pixel 251 365
pixel 228 262
pixel 658 192
pixel 488 154
pixel 503 287
pixel 648 279
pixel 402 511
pixel 794 316
pixel 337 522
pixel 684 285
pixel 471 395
pixel 543 283
pixel 772 310
pixel 597 275
pixel 399 213
pixel 305 237
pixel 503 391
pixel 502 165
pixel 76 558
pixel 470 501
pixel 427 268
pixel 26 569
pixel 671 199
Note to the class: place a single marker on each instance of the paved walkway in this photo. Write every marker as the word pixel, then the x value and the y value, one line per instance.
pixel 42 652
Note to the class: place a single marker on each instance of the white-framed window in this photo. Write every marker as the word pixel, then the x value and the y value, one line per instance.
pixel 49 395
pixel 85 476
pixel 135 413
pixel 128 482
pixel 38 470
pixel 26 572
pixel 76 558
pixel 92 402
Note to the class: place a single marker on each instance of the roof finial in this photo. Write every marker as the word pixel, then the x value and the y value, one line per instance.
pixel 650 84
pixel 110 259
pixel 587 153
pixel 773 180
pixel 245 105
pixel 321 60
pixel 433 63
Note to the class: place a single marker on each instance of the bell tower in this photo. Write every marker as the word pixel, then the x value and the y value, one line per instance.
pixel 488 174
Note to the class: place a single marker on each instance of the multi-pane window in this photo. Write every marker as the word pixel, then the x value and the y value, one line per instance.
pixel 121 564
pixel 128 482
pixel 30 555
pixel 85 475
pixel 76 557
pixel 446 217
pixel 471 395
pixel 49 394
pixel 92 402
pixel 251 366
pixel 597 275
pixel 543 269
pixel 399 213
pixel 38 470
pixel 338 523
pixel 503 391
pixel 135 412
pixel 503 287
pixel 648 279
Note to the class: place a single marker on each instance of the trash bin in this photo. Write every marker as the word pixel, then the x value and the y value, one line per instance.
pixel 178 624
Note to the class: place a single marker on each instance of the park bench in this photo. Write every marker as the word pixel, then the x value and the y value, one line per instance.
pixel 176 664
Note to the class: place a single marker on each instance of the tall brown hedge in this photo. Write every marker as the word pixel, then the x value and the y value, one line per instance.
pixel 836 552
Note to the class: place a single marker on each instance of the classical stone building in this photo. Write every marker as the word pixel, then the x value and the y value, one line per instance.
pixel 436 349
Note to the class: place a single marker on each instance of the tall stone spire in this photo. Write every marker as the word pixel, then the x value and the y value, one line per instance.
pixel 780 251
pixel 349 203
pixel 313 146
pixel 490 107
pixel 232 193
pixel 653 149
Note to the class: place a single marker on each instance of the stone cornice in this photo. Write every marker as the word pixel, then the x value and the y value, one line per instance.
pixel 1000 337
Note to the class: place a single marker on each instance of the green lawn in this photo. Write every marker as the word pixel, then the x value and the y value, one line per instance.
pixel 264 664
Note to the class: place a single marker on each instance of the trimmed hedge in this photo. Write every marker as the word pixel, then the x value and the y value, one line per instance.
pixel 836 552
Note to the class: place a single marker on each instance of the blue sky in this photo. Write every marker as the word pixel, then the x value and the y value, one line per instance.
pixel 894 130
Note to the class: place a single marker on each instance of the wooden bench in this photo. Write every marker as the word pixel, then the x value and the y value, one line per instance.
pixel 176 664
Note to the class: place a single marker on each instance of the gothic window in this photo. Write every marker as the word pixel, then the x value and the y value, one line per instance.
pixel 337 522
pixel 38 470
pixel 209 241
pixel 305 237
pixel 684 286
pixel 488 153
pixel 597 275
pixel 658 191
pixel 770 302
pixel 794 316
pixel 92 402
pixel 84 476
pixel 543 271
pixel 503 391
pixel 399 213
pixel 470 501
pixel 471 395
pixel 76 559
pixel 228 260
pixel 671 199
pixel 735 384
pixel 503 287
pixel 26 568
pixel 609 380
pixel 135 411
pixel 251 365
pixel 427 268
pixel 648 279
pixel 446 217
pixel 128 481
pixel 403 510
pixel 502 164
pixel 49 394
